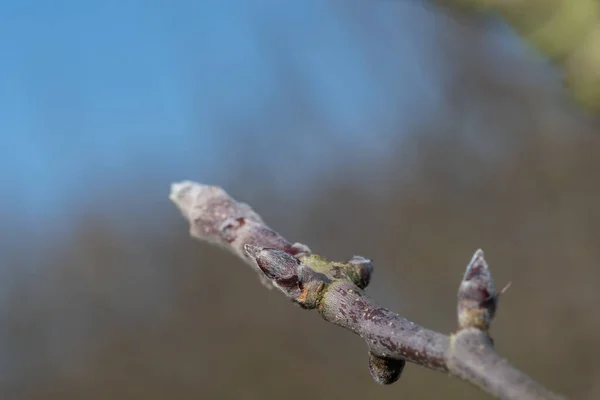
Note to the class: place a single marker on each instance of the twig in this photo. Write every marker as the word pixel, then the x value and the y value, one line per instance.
pixel 335 289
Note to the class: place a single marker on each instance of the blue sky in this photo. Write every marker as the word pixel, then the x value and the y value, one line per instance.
pixel 96 93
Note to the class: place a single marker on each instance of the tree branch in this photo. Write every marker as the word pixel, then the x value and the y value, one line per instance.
pixel 335 289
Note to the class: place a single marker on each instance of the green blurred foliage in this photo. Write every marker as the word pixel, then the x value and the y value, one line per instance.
pixel 565 31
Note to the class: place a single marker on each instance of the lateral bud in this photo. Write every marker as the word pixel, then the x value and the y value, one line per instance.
pixel 288 274
pixel 385 371
pixel 359 271
pixel 477 296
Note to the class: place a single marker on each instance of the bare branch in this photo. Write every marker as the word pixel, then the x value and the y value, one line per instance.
pixel 336 290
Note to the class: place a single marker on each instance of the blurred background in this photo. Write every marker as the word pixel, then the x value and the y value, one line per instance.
pixel 404 131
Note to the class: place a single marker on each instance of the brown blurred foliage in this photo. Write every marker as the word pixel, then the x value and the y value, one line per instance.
pixel 153 315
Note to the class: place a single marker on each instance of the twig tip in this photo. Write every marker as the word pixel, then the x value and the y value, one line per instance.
pixel 477 297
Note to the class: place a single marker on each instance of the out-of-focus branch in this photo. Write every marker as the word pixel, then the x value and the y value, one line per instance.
pixel 336 290
pixel 566 31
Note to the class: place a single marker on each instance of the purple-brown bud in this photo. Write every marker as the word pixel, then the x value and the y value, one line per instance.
pixel 477 297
